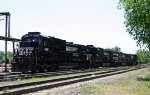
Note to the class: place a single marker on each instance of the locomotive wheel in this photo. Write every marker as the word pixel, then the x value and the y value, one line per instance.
pixel 33 71
pixel 48 69
pixel 56 67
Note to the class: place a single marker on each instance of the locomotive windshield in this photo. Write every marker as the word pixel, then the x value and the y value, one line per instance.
pixel 30 42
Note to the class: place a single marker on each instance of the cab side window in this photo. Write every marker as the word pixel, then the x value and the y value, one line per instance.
pixel 46 43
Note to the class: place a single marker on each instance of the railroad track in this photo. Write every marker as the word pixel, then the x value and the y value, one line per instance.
pixel 46 84
pixel 19 76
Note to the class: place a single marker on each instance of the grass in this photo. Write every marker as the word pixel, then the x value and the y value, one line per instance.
pixel 117 88
pixel 120 87
pixel 5 89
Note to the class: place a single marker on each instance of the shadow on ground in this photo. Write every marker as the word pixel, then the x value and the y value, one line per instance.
pixel 145 78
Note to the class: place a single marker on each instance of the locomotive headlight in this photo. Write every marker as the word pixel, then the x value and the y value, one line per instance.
pixel 46 49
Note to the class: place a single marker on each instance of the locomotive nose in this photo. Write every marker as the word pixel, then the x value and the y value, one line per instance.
pixel 20 65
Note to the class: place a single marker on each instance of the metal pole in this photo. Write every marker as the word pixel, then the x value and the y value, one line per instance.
pixel 6 45
pixel 9 25
pixel 13 49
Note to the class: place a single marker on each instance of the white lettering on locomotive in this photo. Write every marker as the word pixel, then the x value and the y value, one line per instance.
pixel 25 50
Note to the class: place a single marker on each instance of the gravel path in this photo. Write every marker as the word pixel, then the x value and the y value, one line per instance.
pixel 75 89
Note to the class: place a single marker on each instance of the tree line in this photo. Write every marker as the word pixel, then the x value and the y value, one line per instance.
pixel 2 56
pixel 143 55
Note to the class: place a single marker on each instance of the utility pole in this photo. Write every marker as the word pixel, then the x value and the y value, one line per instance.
pixel 7 34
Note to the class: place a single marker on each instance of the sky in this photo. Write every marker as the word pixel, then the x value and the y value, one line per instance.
pixel 87 22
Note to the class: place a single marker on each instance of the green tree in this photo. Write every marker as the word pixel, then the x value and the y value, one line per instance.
pixel 116 48
pixel 9 56
pixel 137 15
pixel 143 56
pixel 1 56
pixel 147 56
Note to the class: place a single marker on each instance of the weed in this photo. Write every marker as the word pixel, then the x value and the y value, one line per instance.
pixel 5 89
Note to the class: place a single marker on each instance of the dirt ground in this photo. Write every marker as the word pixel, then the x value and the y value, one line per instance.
pixel 121 84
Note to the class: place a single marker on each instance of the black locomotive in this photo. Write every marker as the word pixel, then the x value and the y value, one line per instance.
pixel 38 53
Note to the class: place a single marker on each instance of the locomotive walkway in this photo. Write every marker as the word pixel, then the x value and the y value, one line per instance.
pixel 41 85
